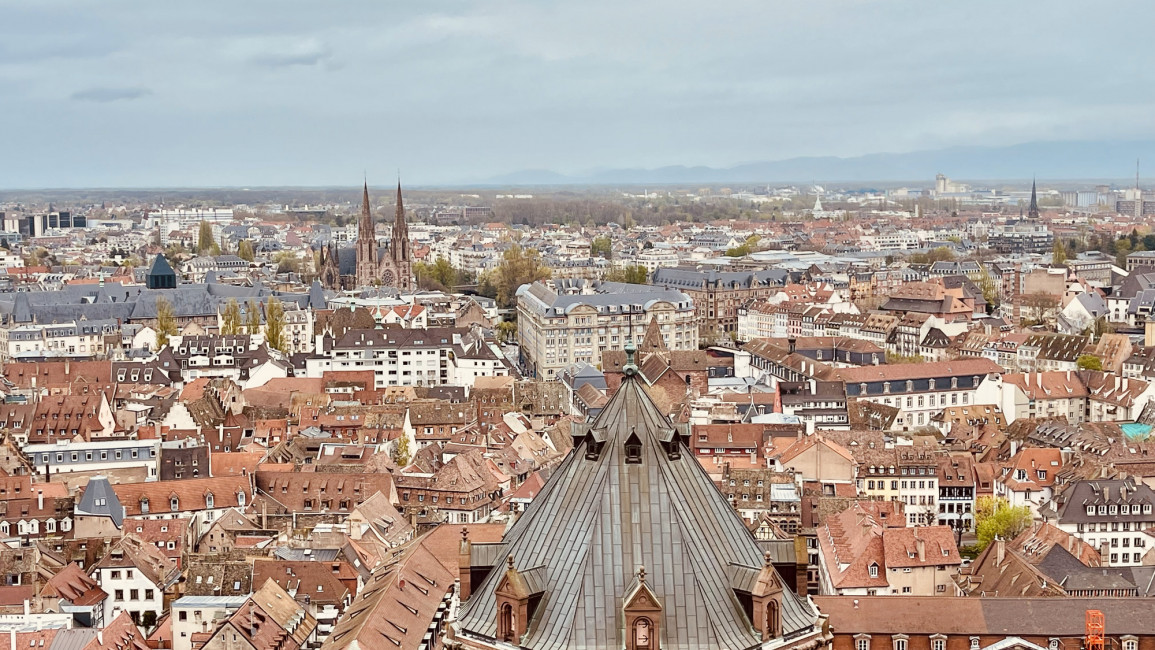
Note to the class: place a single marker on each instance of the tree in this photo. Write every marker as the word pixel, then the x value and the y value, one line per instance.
pixel 518 266
pixel 629 274
pixel 602 247
pixel 1059 253
pixel 1123 248
pixel 1039 305
pixel 205 241
pixel 990 290
pixel 253 317
pixel 401 452
pixel 245 251
pixel 275 325
pixel 995 517
pixel 165 322
pixel 287 262
pixel 1089 362
pixel 439 275
pixel 940 254
pixel 231 318
pixel 506 331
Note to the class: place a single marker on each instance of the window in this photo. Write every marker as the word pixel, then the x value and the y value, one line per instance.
pixel 938 644
pixel 862 643
pixel 116 575
pixel 873 570
pixel 149 594
pixel 900 643
pixel 134 594
pixel 174 504
pixel 119 594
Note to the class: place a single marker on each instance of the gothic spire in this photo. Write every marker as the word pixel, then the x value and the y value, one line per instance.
pixel 1033 210
pixel 400 218
pixel 365 202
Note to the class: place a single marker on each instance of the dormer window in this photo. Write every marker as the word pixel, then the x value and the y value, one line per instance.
pixel 209 500
pixel 873 569
pixel 174 504
pixel 144 505
pixel 1090 510
pixel 633 449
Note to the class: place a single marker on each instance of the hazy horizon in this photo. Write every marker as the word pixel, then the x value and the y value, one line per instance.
pixel 293 94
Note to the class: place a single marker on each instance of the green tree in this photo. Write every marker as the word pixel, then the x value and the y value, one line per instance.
pixel 506 331
pixel 231 318
pixel 401 454
pixel 990 290
pixel 205 241
pixel 287 262
pixel 439 275
pixel 1123 248
pixel 245 251
pixel 630 274
pixel 1089 362
pixel 275 325
pixel 940 254
pixel 253 317
pixel 996 517
pixel 165 322
pixel 602 247
pixel 518 266
pixel 1059 253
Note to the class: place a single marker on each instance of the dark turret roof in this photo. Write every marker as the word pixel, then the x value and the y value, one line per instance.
pixel 100 500
pixel 600 518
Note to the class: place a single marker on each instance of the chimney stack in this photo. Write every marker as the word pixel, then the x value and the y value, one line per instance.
pixel 40 499
pixel 1000 551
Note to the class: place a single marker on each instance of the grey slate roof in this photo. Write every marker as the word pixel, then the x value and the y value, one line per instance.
pixel 100 500
pixel 597 521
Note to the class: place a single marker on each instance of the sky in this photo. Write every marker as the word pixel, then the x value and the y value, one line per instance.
pixel 278 92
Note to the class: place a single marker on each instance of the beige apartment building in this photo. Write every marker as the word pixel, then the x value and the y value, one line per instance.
pixel 568 321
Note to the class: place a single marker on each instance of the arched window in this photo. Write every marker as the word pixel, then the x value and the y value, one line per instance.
pixel 505 622
pixel 772 618
pixel 209 500
pixel 643 632
pixel 241 499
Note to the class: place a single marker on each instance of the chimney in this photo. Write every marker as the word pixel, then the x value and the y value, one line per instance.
pixel 1000 551
pixel 920 546
pixel 40 499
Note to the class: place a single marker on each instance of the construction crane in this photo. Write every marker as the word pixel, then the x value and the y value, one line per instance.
pixel 1095 630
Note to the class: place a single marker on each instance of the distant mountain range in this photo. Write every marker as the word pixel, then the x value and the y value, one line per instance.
pixel 1074 160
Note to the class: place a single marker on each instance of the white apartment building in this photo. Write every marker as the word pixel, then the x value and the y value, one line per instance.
pixel 76 339
pixel 571 321
pixel 411 357
pixel 97 456
pixel 1111 515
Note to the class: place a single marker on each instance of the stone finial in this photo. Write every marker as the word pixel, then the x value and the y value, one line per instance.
pixel 464 534
pixel 766 559
pixel 642 574
pixel 509 562
pixel 630 369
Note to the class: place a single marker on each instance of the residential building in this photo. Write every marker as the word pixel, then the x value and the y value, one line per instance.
pixel 566 322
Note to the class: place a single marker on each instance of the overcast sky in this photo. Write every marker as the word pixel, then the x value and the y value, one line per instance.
pixel 247 92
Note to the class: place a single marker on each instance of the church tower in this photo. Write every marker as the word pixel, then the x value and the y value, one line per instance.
pixel 1033 210
pixel 368 265
pixel 400 252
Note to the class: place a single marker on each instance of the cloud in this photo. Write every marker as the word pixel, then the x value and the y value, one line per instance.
pixel 309 52
pixel 107 94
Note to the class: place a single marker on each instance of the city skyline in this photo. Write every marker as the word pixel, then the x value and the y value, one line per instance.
pixel 238 96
